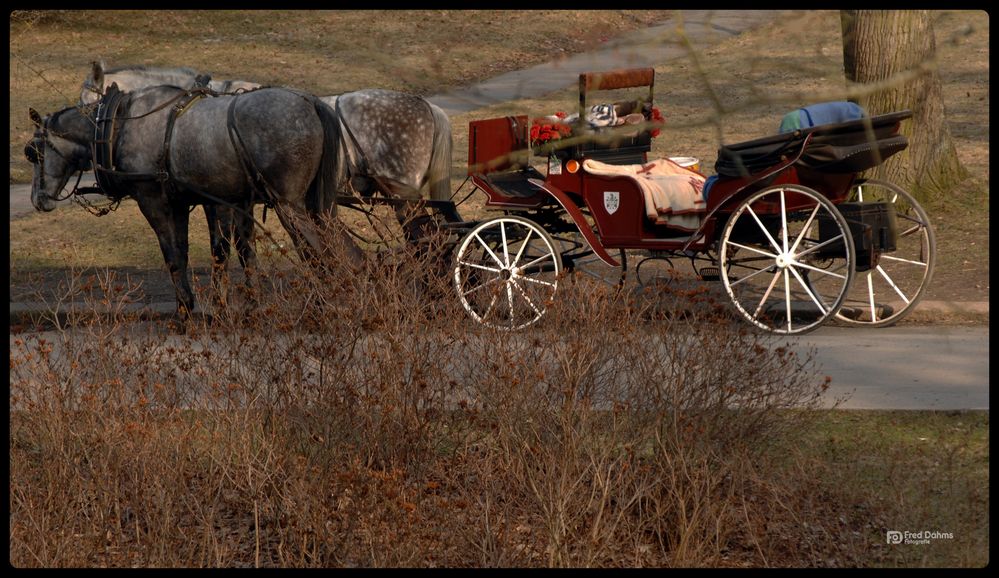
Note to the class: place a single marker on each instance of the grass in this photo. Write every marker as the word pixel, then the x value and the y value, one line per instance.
pixel 921 470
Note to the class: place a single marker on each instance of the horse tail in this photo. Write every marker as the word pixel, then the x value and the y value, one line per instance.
pixel 439 174
pixel 321 196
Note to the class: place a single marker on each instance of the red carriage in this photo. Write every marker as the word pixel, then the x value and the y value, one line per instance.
pixel 788 226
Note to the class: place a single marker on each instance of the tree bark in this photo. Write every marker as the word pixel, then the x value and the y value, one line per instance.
pixel 897 47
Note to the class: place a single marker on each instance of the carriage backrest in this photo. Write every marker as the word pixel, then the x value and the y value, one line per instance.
pixel 497 144
pixel 590 82
pixel 616 144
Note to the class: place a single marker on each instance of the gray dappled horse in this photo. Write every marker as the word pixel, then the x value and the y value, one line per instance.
pixel 170 148
pixel 391 142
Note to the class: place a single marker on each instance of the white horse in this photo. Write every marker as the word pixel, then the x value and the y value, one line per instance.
pixel 393 143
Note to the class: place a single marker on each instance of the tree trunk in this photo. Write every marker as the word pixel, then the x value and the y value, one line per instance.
pixel 897 47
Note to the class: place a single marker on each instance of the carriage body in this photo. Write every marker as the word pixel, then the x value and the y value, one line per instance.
pixel 804 177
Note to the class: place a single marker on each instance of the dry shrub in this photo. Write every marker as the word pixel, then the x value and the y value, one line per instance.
pixel 351 414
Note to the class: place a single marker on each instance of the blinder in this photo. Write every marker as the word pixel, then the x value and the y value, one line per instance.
pixel 33 150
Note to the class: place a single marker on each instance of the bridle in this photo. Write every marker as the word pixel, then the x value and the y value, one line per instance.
pixel 35 153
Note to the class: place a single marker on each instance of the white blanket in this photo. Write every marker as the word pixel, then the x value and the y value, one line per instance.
pixel 672 193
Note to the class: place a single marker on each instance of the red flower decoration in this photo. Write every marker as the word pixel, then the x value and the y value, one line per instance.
pixel 658 120
pixel 544 130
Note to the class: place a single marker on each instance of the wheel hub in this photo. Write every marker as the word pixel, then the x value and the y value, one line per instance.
pixel 784 260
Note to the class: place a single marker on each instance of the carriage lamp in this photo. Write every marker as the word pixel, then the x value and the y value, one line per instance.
pixel 572 165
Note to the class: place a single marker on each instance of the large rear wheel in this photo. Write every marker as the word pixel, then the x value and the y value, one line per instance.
pixel 787 258
pixel 883 295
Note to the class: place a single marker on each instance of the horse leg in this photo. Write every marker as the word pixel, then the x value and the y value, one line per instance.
pixel 218 234
pixel 169 221
pixel 243 233
pixel 418 224
pixel 306 231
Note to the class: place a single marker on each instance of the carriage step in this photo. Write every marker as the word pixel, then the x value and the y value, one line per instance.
pixel 709 274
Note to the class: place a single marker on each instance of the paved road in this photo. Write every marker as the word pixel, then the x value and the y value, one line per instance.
pixel 654 45
pixel 938 368
pixel 909 367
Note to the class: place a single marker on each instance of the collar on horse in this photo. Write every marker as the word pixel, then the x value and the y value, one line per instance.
pixel 107 124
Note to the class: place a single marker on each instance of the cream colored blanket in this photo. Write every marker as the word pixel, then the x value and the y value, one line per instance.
pixel 672 193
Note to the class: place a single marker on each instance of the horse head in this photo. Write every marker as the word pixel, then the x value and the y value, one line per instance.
pixel 58 149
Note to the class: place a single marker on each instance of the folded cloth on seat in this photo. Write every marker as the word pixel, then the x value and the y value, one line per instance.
pixel 672 193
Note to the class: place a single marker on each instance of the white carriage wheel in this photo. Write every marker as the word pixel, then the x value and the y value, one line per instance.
pixel 506 272
pixel 885 294
pixel 787 259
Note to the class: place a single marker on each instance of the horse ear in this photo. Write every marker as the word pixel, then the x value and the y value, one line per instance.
pixel 97 73
pixel 35 117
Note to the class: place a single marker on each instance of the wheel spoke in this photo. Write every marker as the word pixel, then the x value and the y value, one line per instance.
pixel 766 294
pixel 506 249
pixel 526 298
pixel 804 286
pixel 901 260
pixel 753 249
pixel 538 281
pixel 814 248
pixel 783 219
pixel 870 296
pixel 488 250
pixel 538 260
pixel 804 229
pixel 486 284
pixel 509 299
pixel 914 229
pixel 787 299
pixel 750 276
pixel 477 266
pixel 817 270
pixel 522 247
pixel 752 213
pixel 893 286
pixel 492 303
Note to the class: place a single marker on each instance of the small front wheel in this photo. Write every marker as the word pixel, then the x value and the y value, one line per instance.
pixel 506 272
pixel 787 259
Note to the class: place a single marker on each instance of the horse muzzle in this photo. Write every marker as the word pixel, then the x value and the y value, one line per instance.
pixel 40 198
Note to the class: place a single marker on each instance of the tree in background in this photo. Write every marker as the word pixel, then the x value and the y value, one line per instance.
pixel 897 49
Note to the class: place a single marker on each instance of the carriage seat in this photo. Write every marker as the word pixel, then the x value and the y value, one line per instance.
pixel 846 147
pixel 672 193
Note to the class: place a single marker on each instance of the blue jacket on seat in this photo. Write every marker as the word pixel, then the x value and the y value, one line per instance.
pixel 824 113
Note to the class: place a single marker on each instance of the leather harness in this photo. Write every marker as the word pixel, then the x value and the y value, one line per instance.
pixel 110 180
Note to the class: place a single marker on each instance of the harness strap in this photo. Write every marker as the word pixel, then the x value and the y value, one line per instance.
pixel 178 109
pixel 256 179
pixel 106 135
